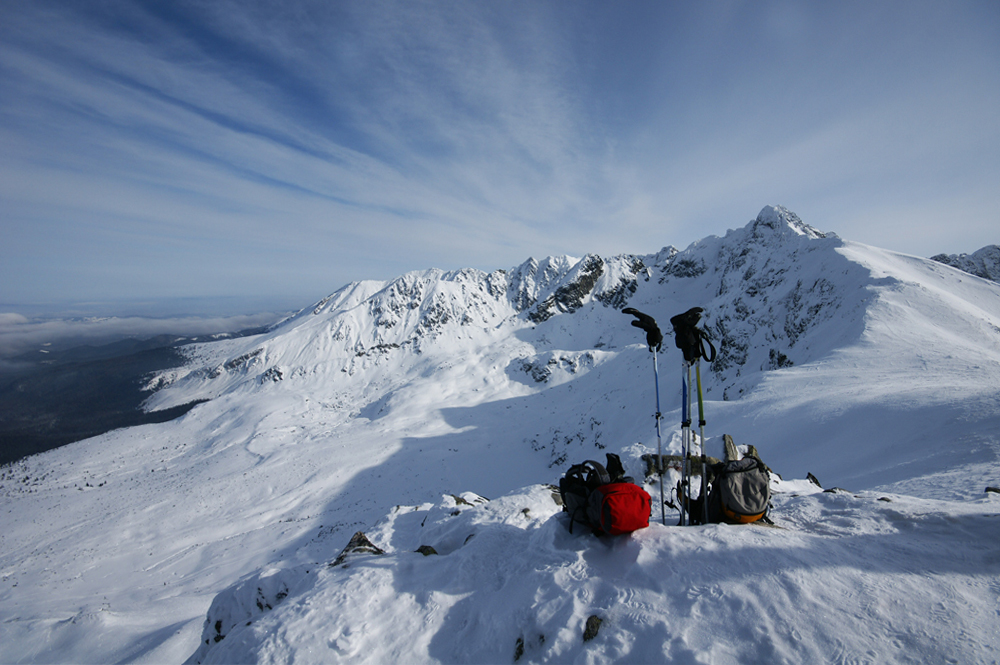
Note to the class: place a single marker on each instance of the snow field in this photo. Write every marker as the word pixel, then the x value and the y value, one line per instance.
pixel 841 578
pixel 876 372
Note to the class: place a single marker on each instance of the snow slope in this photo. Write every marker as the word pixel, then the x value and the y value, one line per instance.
pixel 848 578
pixel 875 371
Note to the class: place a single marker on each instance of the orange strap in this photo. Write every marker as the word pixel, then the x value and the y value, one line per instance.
pixel 736 518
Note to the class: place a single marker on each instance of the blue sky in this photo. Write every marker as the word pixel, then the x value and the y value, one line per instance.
pixel 271 152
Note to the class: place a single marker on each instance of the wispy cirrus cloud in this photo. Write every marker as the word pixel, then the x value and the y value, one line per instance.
pixel 184 126
pixel 229 148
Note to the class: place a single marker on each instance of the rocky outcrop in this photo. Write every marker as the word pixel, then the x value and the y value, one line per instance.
pixel 983 263
pixel 570 296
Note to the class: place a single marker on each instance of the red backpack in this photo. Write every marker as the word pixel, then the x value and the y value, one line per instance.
pixel 619 508
pixel 610 506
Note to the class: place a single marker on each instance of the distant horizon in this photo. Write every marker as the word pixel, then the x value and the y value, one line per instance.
pixel 242 304
pixel 158 307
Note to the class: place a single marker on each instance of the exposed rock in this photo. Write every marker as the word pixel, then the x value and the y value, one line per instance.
pixel 359 544
pixel 617 294
pixel 539 372
pixel 983 263
pixel 378 349
pixel 273 374
pixel 520 645
pixel 593 625
pixel 778 218
pixel 570 297
pixel 322 303
pixel 777 360
pixel 532 278
pixel 243 361
pixel 686 267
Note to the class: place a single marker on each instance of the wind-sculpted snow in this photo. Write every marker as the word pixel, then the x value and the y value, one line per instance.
pixel 874 371
pixel 842 578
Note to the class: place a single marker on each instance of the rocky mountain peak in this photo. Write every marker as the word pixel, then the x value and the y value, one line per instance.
pixel 779 219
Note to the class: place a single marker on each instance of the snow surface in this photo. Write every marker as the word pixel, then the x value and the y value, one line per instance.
pixel 394 408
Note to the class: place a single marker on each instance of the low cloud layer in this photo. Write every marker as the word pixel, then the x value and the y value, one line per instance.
pixel 20 335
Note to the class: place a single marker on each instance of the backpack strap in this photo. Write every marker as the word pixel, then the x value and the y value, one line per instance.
pixel 691 339
pixel 596 474
pixel 702 338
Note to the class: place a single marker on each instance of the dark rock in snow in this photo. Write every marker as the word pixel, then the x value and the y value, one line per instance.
pixel 569 297
pixel 359 544
pixel 273 374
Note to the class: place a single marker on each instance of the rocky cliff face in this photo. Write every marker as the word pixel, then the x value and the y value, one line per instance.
pixel 983 263
pixel 773 283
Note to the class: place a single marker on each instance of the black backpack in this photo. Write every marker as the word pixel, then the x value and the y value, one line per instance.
pixel 604 498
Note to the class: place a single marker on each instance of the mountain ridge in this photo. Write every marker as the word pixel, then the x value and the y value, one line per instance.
pixel 984 262
pixel 870 369
pixel 408 310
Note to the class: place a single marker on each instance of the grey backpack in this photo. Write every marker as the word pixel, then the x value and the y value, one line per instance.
pixel 741 491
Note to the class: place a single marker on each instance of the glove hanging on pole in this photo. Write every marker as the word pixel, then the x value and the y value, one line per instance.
pixel 654 338
pixel 689 338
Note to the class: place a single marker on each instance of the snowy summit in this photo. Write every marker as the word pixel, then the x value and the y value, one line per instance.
pixel 371 480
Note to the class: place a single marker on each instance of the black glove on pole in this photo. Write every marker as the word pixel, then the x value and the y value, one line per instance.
pixel 691 340
pixel 654 338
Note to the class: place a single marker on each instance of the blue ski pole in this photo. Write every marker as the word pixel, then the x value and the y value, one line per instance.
pixel 653 338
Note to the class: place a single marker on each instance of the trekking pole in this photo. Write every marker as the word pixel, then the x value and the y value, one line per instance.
pixel 685 440
pixel 701 426
pixel 659 444
pixel 691 341
pixel 654 338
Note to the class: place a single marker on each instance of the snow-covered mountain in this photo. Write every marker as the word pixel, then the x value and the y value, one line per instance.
pixel 983 263
pixel 395 407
